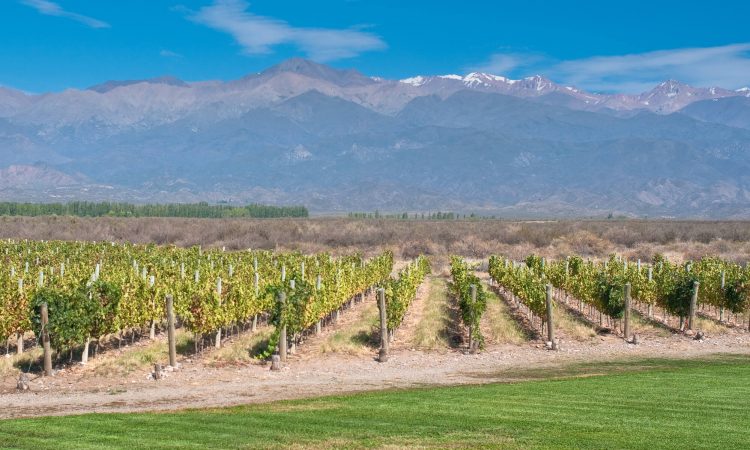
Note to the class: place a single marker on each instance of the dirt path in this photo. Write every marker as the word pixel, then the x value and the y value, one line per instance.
pixel 406 334
pixel 196 385
pixel 353 333
pixel 498 325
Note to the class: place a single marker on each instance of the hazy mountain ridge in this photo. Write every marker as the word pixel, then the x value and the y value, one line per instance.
pixel 336 140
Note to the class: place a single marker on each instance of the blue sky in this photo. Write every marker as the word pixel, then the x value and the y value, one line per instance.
pixel 50 45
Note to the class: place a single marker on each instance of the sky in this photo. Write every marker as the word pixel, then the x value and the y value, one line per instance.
pixel 622 46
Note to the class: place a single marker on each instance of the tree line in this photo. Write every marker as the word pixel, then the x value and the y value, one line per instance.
pixel 116 209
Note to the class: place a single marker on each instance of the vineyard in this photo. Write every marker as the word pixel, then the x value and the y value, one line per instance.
pixel 94 290
pixel 97 290
pixel 400 292
pixel 467 288
pixel 602 290
pixel 89 304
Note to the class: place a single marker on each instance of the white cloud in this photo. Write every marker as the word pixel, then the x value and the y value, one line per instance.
pixel 507 63
pixel 169 54
pixel 53 9
pixel 260 34
pixel 726 66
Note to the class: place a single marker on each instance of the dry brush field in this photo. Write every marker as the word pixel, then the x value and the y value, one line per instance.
pixel 633 239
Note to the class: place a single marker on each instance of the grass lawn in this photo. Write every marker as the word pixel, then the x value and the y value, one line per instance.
pixel 627 404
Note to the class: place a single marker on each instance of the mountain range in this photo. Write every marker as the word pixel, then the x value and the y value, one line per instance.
pixel 337 140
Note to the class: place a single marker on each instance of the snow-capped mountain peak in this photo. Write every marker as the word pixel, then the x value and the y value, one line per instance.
pixel 415 81
pixel 476 79
pixel 472 80
pixel 451 77
pixel 671 95
pixel 669 88
pixel 539 83
pixel 666 97
pixel 534 86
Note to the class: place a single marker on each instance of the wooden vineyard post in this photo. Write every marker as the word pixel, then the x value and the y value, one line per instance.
pixel 170 332
pixel 338 279
pixel 626 320
pixel 257 290
pixel 293 347
pixel 550 316
pixel 282 331
pixel 275 362
pixel 650 305
pixel 693 303
pixel 85 352
pixel 45 341
pixel 152 331
pixel 383 354
pixel 721 309
pixel 19 336
pixel 218 332
pixel 318 324
pixel 473 290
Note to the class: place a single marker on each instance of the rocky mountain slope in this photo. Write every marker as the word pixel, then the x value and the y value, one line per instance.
pixel 337 140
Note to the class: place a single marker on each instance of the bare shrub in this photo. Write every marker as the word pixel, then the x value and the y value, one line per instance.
pixel 643 252
pixel 411 250
pixel 585 243
pixel 720 246
pixel 622 235
pixel 704 237
pixel 474 247
pixel 539 236
pixel 694 250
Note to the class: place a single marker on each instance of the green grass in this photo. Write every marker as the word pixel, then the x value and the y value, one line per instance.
pixel 634 404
